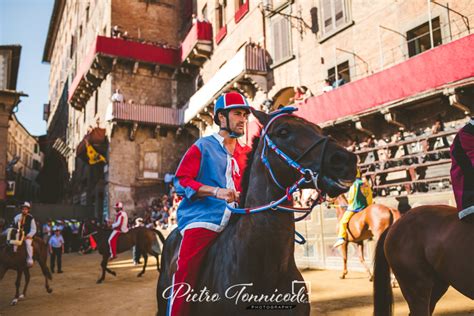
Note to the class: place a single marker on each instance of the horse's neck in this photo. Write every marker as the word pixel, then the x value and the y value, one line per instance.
pixel 267 230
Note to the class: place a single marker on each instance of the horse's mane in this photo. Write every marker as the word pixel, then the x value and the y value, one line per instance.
pixel 246 176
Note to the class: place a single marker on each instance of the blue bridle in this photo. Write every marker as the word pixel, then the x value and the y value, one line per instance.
pixel 307 175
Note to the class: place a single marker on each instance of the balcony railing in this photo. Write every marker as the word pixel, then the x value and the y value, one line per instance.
pixel 93 70
pixel 197 46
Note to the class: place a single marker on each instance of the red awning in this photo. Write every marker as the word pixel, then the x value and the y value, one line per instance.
pixel 430 70
pixel 151 114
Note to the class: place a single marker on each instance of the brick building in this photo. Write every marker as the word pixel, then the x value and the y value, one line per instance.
pixel 98 48
pixel 392 68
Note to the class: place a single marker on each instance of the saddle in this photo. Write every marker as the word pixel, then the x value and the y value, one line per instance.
pixel 15 237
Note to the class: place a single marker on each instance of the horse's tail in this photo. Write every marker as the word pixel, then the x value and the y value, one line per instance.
pixel 395 215
pixel 160 235
pixel 383 296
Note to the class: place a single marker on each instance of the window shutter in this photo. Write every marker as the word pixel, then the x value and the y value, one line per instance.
pixel 285 38
pixel 327 15
pixel 339 12
pixel 276 40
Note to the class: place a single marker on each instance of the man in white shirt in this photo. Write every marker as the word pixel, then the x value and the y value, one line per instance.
pixel 117 96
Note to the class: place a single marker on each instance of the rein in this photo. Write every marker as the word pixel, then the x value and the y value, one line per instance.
pixel 307 175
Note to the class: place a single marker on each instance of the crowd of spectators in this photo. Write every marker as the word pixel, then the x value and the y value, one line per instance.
pixel 118 32
pixel 409 151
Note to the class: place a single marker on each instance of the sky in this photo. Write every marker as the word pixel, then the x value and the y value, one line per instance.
pixel 26 22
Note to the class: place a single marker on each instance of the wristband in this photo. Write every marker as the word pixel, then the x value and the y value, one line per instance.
pixel 215 192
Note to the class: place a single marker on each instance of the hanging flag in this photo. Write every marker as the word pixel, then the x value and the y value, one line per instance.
pixel 94 156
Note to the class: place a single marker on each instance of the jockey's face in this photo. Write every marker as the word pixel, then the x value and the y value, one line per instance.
pixel 237 120
pixel 25 210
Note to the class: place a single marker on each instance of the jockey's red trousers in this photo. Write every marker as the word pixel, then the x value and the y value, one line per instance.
pixel 113 242
pixel 193 248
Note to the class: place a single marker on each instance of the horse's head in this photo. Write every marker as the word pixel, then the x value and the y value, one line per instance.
pixel 305 144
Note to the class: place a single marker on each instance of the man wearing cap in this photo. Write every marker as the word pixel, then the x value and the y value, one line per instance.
pixel 208 177
pixel 119 226
pixel 56 249
pixel 27 224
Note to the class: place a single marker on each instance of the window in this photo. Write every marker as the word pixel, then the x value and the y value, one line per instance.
pixel 241 9
pixel 73 46
pixel 36 150
pixel 418 39
pixel 343 73
pixel 281 38
pixel 87 14
pixel 220 15
pixel 204 13
pixel 334 15
pixel 96 102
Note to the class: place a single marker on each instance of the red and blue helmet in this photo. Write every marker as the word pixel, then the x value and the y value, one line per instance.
pixel 229 101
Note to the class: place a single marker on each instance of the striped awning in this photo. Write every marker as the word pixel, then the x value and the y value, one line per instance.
pixel 147 114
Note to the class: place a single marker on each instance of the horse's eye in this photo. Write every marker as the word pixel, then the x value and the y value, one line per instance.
pixel 283 132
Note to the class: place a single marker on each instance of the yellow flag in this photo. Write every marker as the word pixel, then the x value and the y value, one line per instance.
pixel 94 156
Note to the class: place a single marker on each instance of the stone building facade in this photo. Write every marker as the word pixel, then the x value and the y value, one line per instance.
pixel 25 160
pixel 95 48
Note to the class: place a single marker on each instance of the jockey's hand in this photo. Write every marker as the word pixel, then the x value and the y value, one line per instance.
pixel 228 195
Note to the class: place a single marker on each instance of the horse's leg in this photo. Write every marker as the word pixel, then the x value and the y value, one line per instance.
pixel 3 270
pixel 360 248
pixel 145 260
pixel 42 259
pixel 416 286
pixel 19 273
pixel 103 265
pixel 107 269
pixel 439 288
pixel 344 259
pixel 27 281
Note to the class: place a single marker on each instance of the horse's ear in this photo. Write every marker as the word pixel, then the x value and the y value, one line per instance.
pixel 262 117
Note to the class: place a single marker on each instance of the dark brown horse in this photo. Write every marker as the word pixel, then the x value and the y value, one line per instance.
pixel 254 254
pixel 10 260
pixel 143 238
pixel 371 222
pixel 428 249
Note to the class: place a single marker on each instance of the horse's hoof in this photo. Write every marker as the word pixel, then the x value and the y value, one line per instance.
pixel 22 296
pixel 49 291
pixel 114 274
pixel 139 275
pixel 99 281
pixel 342 277
pixel 14 302
pixel 371 279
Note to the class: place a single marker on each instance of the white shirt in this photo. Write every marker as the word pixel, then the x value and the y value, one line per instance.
pixel 121 222
pixel 117 97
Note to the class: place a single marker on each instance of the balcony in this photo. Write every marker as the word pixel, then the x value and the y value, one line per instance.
pixel 145 114
pixel 103 55
pixel 246 71
pixel 427 74
pixel 197 46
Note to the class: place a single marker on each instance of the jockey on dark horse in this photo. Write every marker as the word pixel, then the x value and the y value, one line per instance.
pixel 212 167
pixel 26 223
pixel 462 171
pixel 119 226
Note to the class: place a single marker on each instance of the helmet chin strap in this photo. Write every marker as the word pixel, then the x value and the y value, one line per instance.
pixel 232 134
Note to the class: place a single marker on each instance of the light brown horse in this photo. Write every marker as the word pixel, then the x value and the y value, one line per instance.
pixel 428 249
pixel 371 222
